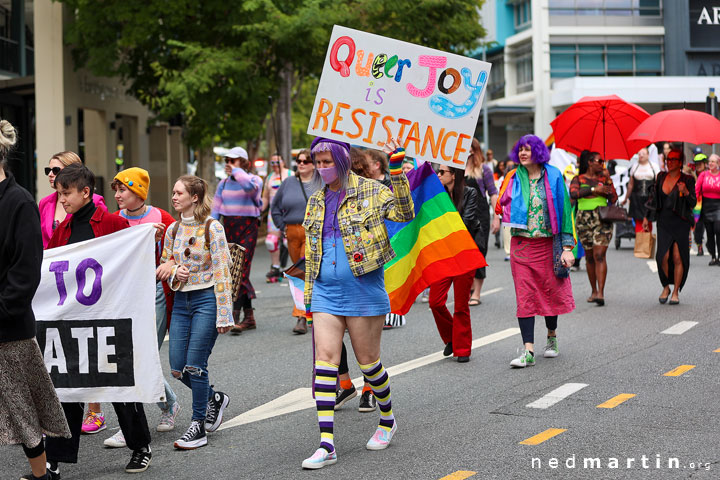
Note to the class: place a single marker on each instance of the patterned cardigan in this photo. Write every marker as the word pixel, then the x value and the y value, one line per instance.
pixel 361 218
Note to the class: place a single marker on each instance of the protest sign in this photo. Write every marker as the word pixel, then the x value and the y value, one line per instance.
pixel 373 88
pixel 95 311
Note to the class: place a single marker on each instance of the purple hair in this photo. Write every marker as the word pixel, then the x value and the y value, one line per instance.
pixel 540 152
pixel 340 154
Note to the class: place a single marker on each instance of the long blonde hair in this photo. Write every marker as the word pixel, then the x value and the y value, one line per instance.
pixel 474 168
pixel 198 186
pixel 66 158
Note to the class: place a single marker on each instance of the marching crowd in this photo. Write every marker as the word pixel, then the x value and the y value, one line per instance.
pixel 332 213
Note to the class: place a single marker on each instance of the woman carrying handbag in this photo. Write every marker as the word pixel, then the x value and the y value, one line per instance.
pixel 593 189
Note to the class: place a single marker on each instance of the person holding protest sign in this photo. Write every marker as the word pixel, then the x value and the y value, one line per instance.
pixel 51 215
pixel 51 212
pixel 288 212
pixel 237 199
pixel 346 247
pixel 29 407
pixel 131 188
pixel 534 202
pixel 456 329
pixel 75 184
pixel 196 264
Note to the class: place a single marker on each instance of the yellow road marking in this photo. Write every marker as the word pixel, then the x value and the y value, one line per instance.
pixel 459 475
pixel 541 437
pixel 677 371
pixel 617 400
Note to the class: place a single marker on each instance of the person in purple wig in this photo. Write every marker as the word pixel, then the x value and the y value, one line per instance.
pixel 540 152
pixel 535 203
pixel 346 246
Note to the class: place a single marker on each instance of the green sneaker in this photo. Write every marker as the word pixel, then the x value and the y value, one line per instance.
pixel 551 349
pixel 526 359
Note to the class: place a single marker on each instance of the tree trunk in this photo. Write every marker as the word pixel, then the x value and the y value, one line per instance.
pixel 284 115
pixel 206 168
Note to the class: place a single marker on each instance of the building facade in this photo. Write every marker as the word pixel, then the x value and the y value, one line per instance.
pixel 547 54
pixel 56 107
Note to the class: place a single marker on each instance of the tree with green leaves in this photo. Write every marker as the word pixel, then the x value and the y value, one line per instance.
pixel 214 64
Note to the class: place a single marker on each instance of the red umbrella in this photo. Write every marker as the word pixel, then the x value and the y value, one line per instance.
pixel 679 126
pixel 599 124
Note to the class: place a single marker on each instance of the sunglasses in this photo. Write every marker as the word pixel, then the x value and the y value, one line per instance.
pixel 54 170
pixel 442 172
pixel 304 162
pixel 597 160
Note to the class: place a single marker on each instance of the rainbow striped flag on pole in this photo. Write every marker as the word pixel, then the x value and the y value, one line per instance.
pixel 433 246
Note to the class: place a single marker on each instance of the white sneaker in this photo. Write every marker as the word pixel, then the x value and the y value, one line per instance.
pixel 551 349
pixel 526 359
pixel 116 441
pixel 167 418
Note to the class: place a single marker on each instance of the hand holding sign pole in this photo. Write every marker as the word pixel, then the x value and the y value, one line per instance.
pixel 374 89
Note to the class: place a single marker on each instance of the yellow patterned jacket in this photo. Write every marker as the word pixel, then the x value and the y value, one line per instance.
pixel 361 218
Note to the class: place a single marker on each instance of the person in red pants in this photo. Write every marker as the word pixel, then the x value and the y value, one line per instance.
pixel 456 329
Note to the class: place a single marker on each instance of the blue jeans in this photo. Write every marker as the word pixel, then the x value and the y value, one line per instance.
pixel 161 326
pixel 192 337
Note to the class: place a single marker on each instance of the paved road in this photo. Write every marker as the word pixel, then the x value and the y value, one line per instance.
pixel 470 420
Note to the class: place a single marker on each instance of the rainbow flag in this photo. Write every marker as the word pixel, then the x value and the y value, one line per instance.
pixel 432 246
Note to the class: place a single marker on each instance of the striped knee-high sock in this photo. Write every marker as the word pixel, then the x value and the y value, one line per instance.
pixel 326 375
pixel 378 379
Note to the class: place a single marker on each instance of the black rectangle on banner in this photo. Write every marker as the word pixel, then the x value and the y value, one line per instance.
pixel 88 353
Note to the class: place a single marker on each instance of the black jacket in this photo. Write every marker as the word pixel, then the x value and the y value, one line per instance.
pixel 680 206
pixel 21 254
pixel 469 212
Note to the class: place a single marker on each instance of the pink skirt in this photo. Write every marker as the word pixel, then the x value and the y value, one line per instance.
pixel 537 290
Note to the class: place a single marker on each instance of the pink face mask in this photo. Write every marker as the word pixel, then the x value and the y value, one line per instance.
pixel 329 175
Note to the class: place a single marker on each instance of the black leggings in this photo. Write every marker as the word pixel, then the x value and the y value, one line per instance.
pixel 713 237
pixel 344 367
pixel 34 452
pixel 527 327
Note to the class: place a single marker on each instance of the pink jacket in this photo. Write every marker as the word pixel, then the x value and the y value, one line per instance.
pixel 47 214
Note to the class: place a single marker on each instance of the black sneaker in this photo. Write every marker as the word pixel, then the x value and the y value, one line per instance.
pixel 50 475
pixel 342 395
pixel 140 461
pixel 195 437
pixel 215 408
pixel 367 402
pixel 448 350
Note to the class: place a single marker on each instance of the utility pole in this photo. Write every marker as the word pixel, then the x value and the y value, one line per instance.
pixel 486 126
pixel 711 107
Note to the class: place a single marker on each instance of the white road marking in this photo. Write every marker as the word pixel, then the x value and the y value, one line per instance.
pixel 680 328
pixel 557 395
pixel 301 398
pixel 652 265
pixel 491 291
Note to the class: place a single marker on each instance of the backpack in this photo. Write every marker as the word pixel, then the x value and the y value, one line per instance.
pixel 237 258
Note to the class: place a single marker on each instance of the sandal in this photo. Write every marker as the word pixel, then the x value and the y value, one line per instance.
pixel 474 301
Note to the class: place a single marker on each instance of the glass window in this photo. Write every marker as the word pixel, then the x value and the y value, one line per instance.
pixel 605 60
pixel 648 58
pixel 620 59
pixel 590 60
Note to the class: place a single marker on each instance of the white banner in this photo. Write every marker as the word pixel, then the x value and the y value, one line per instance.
pixel 373 88
pixel 95 311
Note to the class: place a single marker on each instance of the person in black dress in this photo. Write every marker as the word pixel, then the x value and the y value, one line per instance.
pixel 671 207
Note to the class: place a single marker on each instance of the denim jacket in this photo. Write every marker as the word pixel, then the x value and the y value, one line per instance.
pixel 361 217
